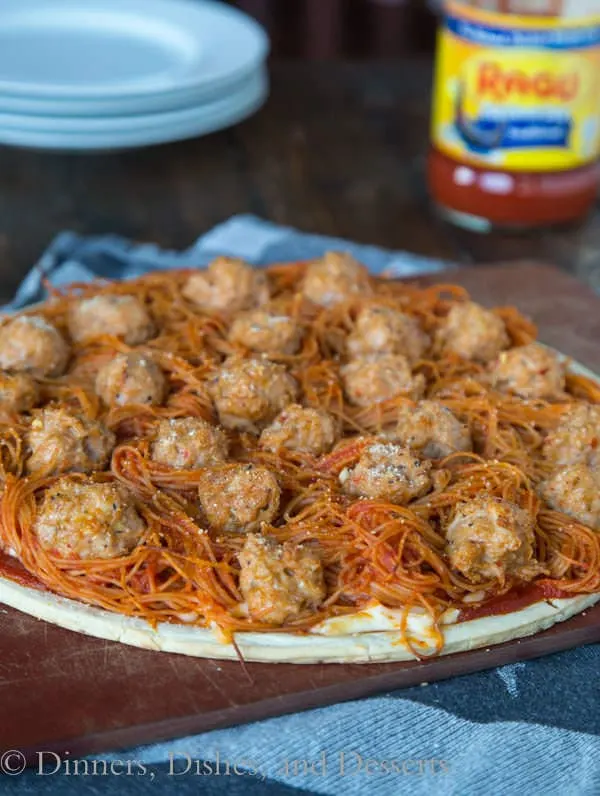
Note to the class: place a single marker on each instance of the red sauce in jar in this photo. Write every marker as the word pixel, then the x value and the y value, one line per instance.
pixel 516 113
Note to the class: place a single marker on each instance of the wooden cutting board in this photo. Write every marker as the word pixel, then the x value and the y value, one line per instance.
pixel 63 691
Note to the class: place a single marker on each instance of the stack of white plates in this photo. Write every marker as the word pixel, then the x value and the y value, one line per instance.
pixel 103 74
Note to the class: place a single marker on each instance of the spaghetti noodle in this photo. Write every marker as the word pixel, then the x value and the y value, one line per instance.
pixel 182 572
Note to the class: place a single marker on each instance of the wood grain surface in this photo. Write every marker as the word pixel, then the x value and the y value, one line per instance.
pixel 338 149
pixel 63 691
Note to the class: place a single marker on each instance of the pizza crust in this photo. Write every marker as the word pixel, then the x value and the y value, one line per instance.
pixel 324 644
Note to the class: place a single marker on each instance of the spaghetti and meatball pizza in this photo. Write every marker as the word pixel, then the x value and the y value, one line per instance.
pixel 299 463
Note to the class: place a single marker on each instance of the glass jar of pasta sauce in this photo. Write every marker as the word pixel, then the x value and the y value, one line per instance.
pixel 516 112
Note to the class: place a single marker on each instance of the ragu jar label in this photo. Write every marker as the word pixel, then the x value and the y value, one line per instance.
pixel 516 112
pixel 519 92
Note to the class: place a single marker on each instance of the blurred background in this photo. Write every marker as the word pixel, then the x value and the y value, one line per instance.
pixel 323 29
pixel 335 142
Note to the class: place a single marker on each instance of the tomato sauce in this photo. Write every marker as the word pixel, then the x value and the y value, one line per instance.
pixel 516 112
pixel 12 569
pixel 514 600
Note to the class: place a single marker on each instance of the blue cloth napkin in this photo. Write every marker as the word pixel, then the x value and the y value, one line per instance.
pixel 527 728
pixel 76 258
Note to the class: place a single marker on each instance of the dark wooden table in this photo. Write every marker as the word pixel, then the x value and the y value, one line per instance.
pixel 338 149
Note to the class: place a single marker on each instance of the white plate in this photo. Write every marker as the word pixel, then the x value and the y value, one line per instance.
pixel 249 86
pixel 87 49
pixel 201 121
pixel 96 107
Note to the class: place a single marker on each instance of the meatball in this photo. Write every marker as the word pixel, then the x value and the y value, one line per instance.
pixel 371 381
pixel 577 437
pixel 266 333
pixel 248 393
pixel 188 443
pixel 227 285
pixel 239 498
pixel 432 430
pixel 529 371
pixel 298 428
pixel 381 330
pixel 83 519
pixel 30 343
pixel 279 582
pixel 472 332
pixel 575 490
pixel 131 379
pixel 58 441
pixel 18 393
pixel 489 538
pixel 120 316
pixel 387 472
pixel 333 278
